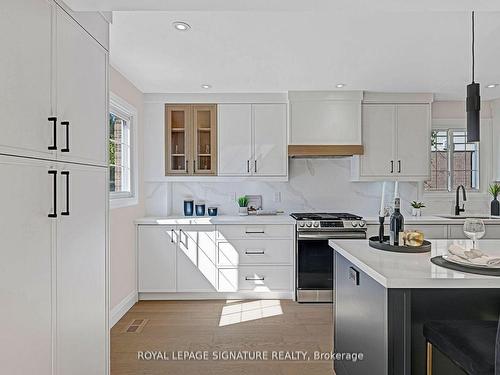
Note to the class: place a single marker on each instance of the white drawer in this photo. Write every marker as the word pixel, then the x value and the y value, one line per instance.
pixel 255 251
pixel 255 279
pixel 230 232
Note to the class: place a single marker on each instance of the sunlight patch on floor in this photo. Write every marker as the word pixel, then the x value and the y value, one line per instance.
pixel 243 312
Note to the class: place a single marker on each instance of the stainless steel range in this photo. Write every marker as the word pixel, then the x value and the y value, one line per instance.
pixel 314 258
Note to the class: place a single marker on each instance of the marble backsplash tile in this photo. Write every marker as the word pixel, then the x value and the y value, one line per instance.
pixel 314 185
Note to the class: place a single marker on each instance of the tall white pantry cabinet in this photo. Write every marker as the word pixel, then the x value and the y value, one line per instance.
pixel 53 193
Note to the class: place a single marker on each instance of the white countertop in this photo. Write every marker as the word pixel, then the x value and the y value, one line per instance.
pixel 217 220
pixel 399 270
pixel 434 220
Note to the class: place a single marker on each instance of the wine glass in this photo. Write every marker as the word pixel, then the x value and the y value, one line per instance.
pixel 474 229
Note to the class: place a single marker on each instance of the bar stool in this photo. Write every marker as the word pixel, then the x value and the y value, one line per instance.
pixel 472 345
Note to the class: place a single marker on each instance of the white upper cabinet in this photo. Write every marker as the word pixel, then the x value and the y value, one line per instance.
pixel 270 143
pixel 235 135
pixel 379 127
pixel 252 140
pixel 413 140
pixel 325 117
pixel 396 140
pixel 81 94
pixel 25 79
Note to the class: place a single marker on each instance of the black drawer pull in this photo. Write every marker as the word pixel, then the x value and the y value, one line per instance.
pixel 354 275
pixel 66 124
pixel 254 232
pixel 250 278
pixel 392 166
pixel 54 192
pixel 399 166
pixel 54 129
pixel 66 173
pixel 254 252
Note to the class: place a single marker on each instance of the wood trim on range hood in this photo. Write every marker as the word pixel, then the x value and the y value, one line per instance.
pixel 324 150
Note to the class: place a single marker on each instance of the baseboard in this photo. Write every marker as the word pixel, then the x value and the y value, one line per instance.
pixel 121 309
pixel 151 296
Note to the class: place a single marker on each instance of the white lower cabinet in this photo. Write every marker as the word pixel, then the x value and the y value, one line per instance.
pixel 53 272
pixel 26 246
pixel 196 269
pixel 157 258
pixel 81 270
pixel 216 259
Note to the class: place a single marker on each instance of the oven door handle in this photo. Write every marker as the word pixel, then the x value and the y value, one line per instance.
pixel 331 236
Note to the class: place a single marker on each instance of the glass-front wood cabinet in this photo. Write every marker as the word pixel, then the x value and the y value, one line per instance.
pixel 190 139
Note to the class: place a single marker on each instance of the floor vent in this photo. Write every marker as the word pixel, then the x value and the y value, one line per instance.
pixel 136 326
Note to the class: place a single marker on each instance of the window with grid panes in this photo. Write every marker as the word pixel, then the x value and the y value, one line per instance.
pixel 454 162
pixel 119 153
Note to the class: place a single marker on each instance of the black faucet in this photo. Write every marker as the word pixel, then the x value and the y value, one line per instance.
pixel 457 201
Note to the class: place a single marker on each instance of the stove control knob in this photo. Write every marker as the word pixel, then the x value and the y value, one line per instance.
pixel 316 224
pixel 301 225
pixel 354 224
pixel 362 223
pixel 308 224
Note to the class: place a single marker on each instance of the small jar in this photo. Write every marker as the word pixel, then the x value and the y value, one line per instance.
pixel 188 208
pixel 200 209
pixel 212 211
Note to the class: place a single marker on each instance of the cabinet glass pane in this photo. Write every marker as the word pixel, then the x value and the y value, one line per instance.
pixel 204 138
pixel 178 128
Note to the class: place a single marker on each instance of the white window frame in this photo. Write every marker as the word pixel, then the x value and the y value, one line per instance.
pixel 124 199
pixel 485 159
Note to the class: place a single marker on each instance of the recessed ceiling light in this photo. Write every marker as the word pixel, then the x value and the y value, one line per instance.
pixel 492 85
pixel 181 26
pixel 206 86
pixel 340 85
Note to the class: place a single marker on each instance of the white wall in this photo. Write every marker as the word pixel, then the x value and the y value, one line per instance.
pixel 122 231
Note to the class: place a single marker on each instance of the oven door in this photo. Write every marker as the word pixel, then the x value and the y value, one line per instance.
pixel 314 264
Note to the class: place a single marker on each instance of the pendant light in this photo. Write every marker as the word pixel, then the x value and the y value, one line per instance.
pixel 473 104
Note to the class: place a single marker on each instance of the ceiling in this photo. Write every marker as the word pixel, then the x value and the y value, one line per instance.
pixel 277 45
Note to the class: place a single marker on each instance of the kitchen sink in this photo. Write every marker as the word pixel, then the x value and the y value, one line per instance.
pixel 470 217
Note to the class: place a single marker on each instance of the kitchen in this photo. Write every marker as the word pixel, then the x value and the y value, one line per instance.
pixel 217 189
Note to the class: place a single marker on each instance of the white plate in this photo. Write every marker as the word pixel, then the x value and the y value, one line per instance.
pixel 468 264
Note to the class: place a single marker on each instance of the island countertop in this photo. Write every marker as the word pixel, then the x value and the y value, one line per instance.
pixel 400 270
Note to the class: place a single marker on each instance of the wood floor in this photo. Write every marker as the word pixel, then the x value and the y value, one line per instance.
pixel 217 326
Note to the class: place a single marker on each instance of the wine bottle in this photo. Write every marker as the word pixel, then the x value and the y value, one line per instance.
pixel 397 224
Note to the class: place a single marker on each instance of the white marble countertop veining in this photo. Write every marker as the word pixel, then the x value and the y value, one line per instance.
pixel 436 220
pixel 217 220
pixel 399 270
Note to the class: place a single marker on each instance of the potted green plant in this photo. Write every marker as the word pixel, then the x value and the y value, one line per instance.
pixel 243 203
pixel 416 208
pixel 494 190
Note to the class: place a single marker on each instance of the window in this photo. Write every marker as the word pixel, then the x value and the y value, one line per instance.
pixel 454 162
pixel 122 181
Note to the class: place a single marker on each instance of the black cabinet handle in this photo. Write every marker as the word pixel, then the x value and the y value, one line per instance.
pixel 392 166
pixel 254 252
pixel 54 129
pixel 172 235
pixel 248 278
pixel 66 124
pixel 255 165
pixel 54 191
pixel 248 166
pixel 66 173
pixel 354 275
pixel 194 166
pixel 399 166
pixel 187 167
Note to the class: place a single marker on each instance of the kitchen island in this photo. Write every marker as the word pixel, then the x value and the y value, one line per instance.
pixel 382 300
